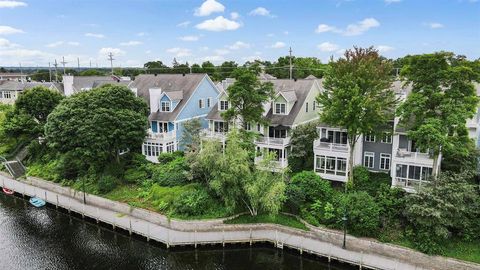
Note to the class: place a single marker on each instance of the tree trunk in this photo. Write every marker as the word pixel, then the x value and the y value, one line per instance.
pixel 352 142
pixel 436 165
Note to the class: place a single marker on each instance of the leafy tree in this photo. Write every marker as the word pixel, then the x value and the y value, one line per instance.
pixel 92 72
pixel 443 97
pixel 357 96
pixel 227 68
pixel 30 112
pixel 211 70
pixel 246 96
pixel 449 205
pixel 191 135
pixel 41 75
pixel 96 125
pixel 307 187
pixel 196 68
pixel 301 156
pixel 156 67
pixel 203 163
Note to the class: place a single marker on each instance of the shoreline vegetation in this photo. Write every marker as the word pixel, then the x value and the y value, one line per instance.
pixel 90 141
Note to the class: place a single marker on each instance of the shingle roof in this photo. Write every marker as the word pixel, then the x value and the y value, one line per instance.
pixel 14 85
pixel 301 88
pixel 214 114
pixel 171 84
pixel 80 82
pixel 290 96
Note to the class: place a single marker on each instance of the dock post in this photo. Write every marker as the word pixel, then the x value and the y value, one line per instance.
pixel 56 206
pixel 83 212
pixel 195 238
pixel 148 233
pixel 130 230
pixel 113 223
pixel 250 236
pixel 98 214
pixel 223 238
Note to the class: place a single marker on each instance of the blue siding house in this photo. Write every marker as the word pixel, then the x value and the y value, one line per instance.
pixel 173 100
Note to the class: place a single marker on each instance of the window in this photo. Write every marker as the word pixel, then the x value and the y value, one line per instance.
pixel 152 149
pixel 165 106
pixel 170 147
pixel 370 138
pixel 387 138
pixel 209 102
pixel 385 161
pixel 162 127
pixel 335 136
pixel 258 127
pixel 331 165
pixel 306 107
pixel 280 108
pixel 7 94
pixel 368 158
pixel 341 166
pixel 223 105
pixel 201 103
pixel 249 126
pixel 313 106
pixel 220 126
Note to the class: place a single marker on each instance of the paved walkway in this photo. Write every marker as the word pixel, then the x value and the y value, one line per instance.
pixel 157 227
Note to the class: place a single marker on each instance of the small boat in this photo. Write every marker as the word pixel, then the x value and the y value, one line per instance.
pixel 37 202
pixel 8 191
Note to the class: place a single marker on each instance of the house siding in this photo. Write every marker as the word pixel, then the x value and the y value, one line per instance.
pixel 304 116
pixel 378 148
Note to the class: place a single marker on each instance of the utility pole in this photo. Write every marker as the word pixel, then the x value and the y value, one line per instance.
pixel 49 72
pixel 110 58
pixel 78 63
pixel 56 71
pixel 90 63
pixel 21 72
pixel 63 63
pixel 291 67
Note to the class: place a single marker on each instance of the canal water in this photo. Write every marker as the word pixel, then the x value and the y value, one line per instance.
pixel 45 238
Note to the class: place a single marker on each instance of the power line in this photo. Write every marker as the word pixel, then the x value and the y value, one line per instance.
pixel 110 58
pixel 63 63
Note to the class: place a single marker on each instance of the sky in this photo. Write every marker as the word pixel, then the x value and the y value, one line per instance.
pixel 36 32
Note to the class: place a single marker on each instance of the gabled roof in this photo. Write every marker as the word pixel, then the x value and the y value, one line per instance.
pixel 289 96
pixel 82 82
pixel 300 88
pixel 172 85
pixel 14 85
pixel 214 114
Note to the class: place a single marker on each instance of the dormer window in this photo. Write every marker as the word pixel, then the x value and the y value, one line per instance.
pixel 280 108
pixel 165 106
pixel 223 105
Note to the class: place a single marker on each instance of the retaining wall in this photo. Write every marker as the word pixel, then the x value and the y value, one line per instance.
pixel 319 241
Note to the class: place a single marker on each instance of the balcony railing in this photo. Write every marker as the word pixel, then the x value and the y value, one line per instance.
pixel 280 163
pixel 409 183
pixel 161 135
pixel 404 154
pixel 273 141
pixel 212 134
pixel 334 147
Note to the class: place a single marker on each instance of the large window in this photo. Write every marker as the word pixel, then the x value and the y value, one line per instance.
pixel 170 147
pixel 411 172
pixel 331 165
pixel 385 161
pixel 165 106
pixel 223 105
pixel 280 108
pixel 162 127
pixel 368 159
pixel 7 94
pixel 334 136
pixel 220 126
pixel 370 138
pixel 387 138
pixel 152 149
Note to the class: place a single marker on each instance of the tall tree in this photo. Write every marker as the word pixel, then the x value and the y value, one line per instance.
pixel 246 96
pixel 357 96
pixel 191 135
pixel 301 156
pixel 443 97
pixel 96 125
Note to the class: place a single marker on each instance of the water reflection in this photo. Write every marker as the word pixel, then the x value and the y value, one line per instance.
pixel 32 238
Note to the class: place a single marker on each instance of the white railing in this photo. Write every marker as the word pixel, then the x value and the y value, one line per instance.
pixel 208 133
pixel 161 135
pixel 273 141
pixel 280 163
pixel 338 147
pixel 413 156
pixel 409 183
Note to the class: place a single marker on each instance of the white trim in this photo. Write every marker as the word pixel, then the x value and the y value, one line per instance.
pixel 275 108
pixel 194 91
pixel 385 156
pixel 369 155
pixel 190 118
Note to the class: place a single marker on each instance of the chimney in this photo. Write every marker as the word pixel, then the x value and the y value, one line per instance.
pixel 155 94
pixel 68 84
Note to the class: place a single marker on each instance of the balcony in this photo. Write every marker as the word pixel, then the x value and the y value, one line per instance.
pixel 409 184
pixel 405 156
pixel 276 165
pixel 272 142
pixel 212 134
pixel 161 136
pixel 332 147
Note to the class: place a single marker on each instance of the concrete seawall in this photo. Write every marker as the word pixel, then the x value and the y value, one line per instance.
pixel 171 232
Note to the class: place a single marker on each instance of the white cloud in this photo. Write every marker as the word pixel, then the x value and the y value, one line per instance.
pixel 239 45
pixel 142 34
pixel 213 58
pixel 261 11
pixel 278 45
pixel 94 35
pixel 270 35
pixel 353 29
pixel 148 51
pixel 208 7
pixel 327 47
pixel 218 24
pixel 12 4
pixel 286 33
pixel 251 58
pixel 222 51
pixel 435 25
pixel 234 15
pixel 54 44
pixel 73 43
pixel 322 28
pixel 204 48
pixel 179 52
pixel 189 38
pixel 384 48
pixel 183 24
pixel 361 27
pixel 25 56
pixel 131 43
pixel 5 43
pixel 116 52
pixel 392 1
pixel 8 30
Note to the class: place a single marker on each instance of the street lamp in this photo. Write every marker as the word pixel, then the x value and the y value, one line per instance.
pixel 344 219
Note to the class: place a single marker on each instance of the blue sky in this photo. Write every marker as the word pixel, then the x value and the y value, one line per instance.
pixel 35 32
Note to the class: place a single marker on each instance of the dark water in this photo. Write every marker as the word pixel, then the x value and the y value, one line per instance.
pixel 32 238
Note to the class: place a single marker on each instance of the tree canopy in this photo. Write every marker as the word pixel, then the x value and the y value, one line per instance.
pixel 443 97
pixel 358 95
pixel 96 125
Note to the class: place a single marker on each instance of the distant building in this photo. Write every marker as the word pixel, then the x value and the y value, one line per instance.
pixel 75 84
pixel 11 89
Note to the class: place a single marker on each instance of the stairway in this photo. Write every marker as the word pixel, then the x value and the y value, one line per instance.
pixel 15 168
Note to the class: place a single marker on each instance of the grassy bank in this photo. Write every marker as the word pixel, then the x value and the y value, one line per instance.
pixel 280 219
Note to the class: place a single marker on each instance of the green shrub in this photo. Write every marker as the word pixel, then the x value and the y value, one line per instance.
pixel 107 183
pixel 362 213
pixel 311 185
pixel 192 203
pixel 370 182
pixel 172 173
pixel 164 158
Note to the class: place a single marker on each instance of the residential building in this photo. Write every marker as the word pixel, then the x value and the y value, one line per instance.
pixel 11 89
pixel 75 84
pixel 173 99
